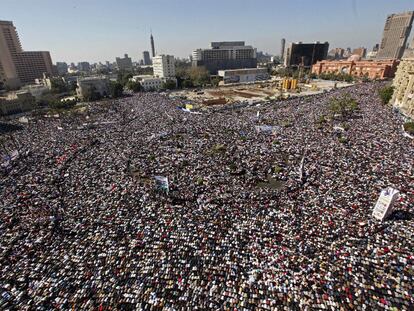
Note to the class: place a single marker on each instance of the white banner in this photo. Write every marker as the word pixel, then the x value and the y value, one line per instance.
pixel 385 203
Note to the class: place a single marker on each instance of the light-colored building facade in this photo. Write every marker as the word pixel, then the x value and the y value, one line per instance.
pixel 225 55
pixel 248 75
pixel 18 66
pixel 164 66
pixel 37 90
pixel 149 83
pixel 92 84
pixel 403 97
pixel 372 55
pixel 373 69
pixel 9 47
pixel 394 39
pixel 361 52
pixel 17 102
pixel 336 53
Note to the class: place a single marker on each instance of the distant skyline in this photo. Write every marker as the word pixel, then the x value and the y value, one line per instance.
pixel 101 30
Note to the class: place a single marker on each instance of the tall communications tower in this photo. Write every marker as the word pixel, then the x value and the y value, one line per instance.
pixel 152 46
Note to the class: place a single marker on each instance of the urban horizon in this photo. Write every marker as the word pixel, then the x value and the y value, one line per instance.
pixel 109 37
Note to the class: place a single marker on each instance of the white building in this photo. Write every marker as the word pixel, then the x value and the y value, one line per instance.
pixel 149 83
pixel 247 75
pixel 164 66
pixel 372 55
pixel 403 97
pixel 17 102
pixel 36 90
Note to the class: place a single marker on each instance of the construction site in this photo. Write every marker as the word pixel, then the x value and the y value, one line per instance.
pixel 274 89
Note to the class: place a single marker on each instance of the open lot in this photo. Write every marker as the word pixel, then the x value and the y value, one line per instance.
pixel 255 92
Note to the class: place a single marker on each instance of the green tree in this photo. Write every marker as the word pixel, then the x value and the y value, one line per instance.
pixel 91 94
pixel 215 81
pixel 199 76
pixel 58 86
pixel 343 106
pixel 67 104
pixel 409 127
pixel 187 84
pixel 168 85
pixel 47 100
pixel 134 86
pixel 123 77
pixel 116 89
pixel 181 69
pixel 385 94
pixel 144 71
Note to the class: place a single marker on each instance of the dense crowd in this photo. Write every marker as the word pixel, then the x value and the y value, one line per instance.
pixel 253 220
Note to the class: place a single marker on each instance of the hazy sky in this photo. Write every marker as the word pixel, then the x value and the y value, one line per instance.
pixel 100 30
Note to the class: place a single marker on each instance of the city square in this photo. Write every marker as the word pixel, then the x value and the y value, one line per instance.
pixel 85 227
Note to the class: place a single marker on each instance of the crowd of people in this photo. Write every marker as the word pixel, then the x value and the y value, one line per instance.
pixel 250 220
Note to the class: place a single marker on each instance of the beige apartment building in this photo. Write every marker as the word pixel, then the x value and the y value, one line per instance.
pixel 17 66
pixel 403 83
pixel 9 47
pixel 394 39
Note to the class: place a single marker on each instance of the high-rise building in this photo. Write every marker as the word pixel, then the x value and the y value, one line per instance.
pixel 84 66
pixel 124 63
pixel 282 49
pixel 146 58
pixel 394 39
pixel 18 66
pixel 361 52
pixel 164 66
pixel 225 55
pixel 62 68
pixel 152 46
pixel 32 65
pixel 306 54
pixel 263 57
pixel 336 53
pixel 347 53
pixel 9 47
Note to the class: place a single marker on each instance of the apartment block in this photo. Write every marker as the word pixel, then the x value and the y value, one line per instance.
pixel 18 66
pixel 394 39
pixel 403 97
pixel 164 66
pixel 225 55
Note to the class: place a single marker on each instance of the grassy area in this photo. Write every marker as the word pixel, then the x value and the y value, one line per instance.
pixel 409 127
